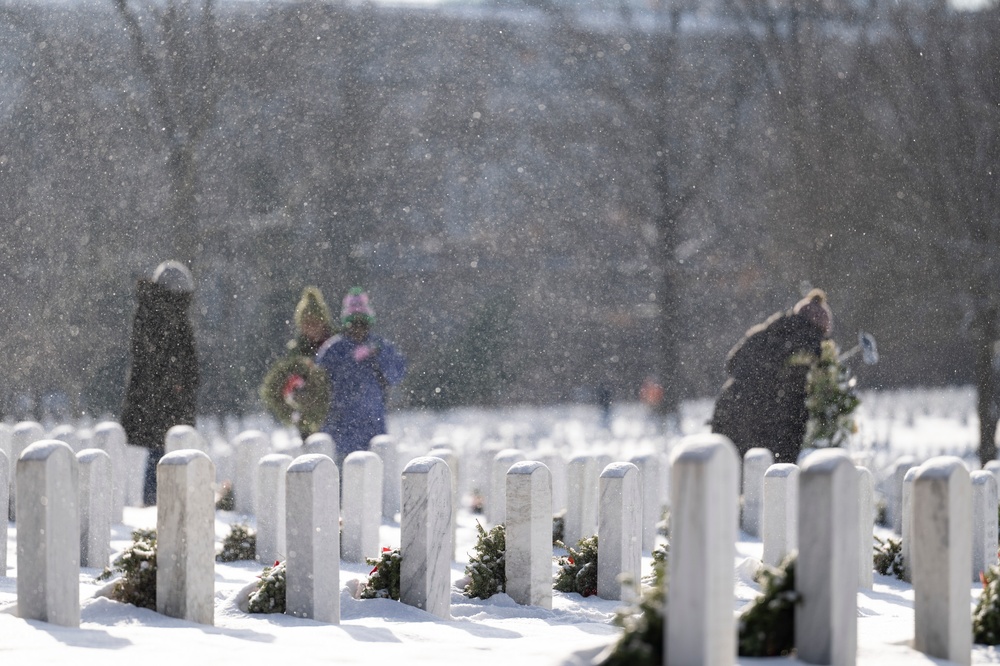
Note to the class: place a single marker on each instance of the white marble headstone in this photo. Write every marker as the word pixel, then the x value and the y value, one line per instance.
pixel 984 522
pixel 496 509
pixel 185 536
pixel 941 552
pixel 826 572
pixel 23 435
pixel 425 535
pixel 249 447
pixel 109 436
pixel 755 463
pixel 653 470
pixel 385 447
pixel 528 531
pixel 320 442
pixel 95 508
pixel 48 534
pixel 184 437
pixel 582 489
pixel 271 477
pixel 781 512
pixel 895 511
pixel 4 499
pixel 362 506
pixel 704 526
pixel 312 517
pixel 866 528
pixel 619 540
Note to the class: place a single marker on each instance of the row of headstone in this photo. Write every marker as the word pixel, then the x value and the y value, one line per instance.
pixel 831 500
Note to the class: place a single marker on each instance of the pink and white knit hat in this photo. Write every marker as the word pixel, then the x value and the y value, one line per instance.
pixel 356 305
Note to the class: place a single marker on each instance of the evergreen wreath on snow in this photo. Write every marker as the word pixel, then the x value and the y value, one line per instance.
pixel 767 627
pixel 831 399
pixel 269 597
pixel 383 579
pixel 641 642
pixel 578 570
pixel 487 566
pixel 986 616
pixel 889 557
pixel 137 566
pixel 239 544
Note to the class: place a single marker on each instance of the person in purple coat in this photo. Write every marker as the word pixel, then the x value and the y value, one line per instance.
pixel 362 367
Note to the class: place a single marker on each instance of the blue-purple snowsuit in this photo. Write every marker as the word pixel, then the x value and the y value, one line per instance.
pixel 358 389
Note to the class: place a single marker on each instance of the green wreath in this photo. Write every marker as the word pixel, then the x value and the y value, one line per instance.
pixel 297 392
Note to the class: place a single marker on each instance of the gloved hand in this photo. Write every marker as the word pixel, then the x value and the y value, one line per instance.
pixel 361 352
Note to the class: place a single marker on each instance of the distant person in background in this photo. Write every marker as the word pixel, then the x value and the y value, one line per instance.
pixel 362 367
pixel 763 403
pixel 604 398
pixel 162 380
pixel 295 389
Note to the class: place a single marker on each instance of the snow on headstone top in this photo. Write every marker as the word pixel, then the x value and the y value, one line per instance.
pixel 308 463
pixel 940 467
pixel 422 465
pixel 618 470
pixel 90 455
pixel 43 448
pixel 526 467
pixel 700 447
pixel 781 470
pixel 825 460
pixel 182 457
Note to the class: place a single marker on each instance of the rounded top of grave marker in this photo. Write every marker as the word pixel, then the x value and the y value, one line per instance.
pixel 941 467
pixel 90 455
pixel 28 426
pixel 183 457
pixel 275 460
pixel 308 462
pixel 618 470
pixel 319 437
pixel 527 467
pixel 824 461
pixel 423 465
pixel 509 454
pixel 702 447
pixel 250 436
pixel 758 452
pixel 44 448
pixel 982 477
pixel 781 470
pixel 360 458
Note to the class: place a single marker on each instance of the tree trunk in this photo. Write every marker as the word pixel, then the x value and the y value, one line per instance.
pixel 986 391
pixel 668 293
pixel 182 171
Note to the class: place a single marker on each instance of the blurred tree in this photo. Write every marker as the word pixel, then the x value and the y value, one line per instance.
pixel 473 369
pixel 176 49
pixel 938 93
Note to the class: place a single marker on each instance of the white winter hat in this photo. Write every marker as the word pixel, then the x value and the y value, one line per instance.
pixel 174 275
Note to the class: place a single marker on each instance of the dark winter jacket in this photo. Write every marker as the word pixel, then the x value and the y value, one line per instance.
pixel 163 377
pixel 358 389
pixel 764 401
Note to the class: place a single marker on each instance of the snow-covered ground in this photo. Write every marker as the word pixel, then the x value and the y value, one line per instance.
pixel 495 631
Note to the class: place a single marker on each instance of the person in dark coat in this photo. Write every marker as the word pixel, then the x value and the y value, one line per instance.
pixel 763 403
pixel 361 366
pixel 163 376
